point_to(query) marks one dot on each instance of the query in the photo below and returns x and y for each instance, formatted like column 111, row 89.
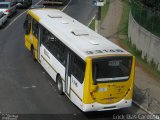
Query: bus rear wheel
column 59, row 85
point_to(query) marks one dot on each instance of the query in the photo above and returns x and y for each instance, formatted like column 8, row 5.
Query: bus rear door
column 68, row 74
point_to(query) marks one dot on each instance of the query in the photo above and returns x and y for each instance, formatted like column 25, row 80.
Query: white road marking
column 66, row 5
column 91, row 20
column 33, row 86
column 19, row 16
column 27, row 87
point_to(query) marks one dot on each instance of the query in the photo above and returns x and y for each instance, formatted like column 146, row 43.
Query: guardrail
column 144, row 99
column 146, row 42
column 147, row 17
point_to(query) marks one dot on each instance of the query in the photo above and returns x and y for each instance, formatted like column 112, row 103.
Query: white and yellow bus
column 93, row 72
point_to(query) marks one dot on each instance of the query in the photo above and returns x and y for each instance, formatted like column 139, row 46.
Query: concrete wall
column 145, row 42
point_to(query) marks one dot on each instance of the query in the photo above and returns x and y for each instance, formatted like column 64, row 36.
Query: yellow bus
column 94, row 73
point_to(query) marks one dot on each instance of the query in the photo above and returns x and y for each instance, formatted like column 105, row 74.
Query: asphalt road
column 25, row 88
column 81, row 10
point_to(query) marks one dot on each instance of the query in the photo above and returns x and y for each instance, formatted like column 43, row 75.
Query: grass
column 92, row 25
column 146, row 16
column 149, row 67
column 104, row 10
column 123, row 27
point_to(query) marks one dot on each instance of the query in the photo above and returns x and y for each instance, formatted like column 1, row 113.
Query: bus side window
column 62, row 52
column 35, row 28
column 78, row 68
column 57, row 48
column 45, row 38
column 27, row 24
column 54, row 45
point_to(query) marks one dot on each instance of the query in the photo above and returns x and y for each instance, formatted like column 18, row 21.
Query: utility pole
column 98, row 4
column 98, row 19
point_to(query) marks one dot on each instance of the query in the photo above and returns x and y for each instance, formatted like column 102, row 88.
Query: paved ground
column 145, row 83
column 110, row 25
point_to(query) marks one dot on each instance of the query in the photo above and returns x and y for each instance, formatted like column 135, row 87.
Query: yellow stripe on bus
column 30, row 12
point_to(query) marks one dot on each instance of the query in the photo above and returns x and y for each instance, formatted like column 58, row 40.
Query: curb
column 144, row 109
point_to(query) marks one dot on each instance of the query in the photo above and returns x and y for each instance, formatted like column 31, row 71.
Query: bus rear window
column 112, row 69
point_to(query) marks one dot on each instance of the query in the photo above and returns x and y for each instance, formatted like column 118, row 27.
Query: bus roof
column 78, row 37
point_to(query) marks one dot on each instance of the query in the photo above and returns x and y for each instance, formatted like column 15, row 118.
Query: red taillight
column 7, row 11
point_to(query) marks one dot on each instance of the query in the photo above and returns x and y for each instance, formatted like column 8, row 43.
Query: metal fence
column 147, row 17
column 144, row 98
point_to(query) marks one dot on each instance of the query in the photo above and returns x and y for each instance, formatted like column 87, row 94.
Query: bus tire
column 33, row 53
column 59, row 85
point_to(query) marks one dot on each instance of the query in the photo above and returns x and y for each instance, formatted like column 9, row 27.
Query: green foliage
column 92, row 25
column 150, row 67
column 146, row 16
column 123, row 27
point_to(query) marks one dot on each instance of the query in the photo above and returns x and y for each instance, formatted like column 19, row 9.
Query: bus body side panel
column 74, row 88
column 76, row 95
column 35, row 45
column 54, row 67
column 28, row 39
column 87, row 98
column 51, row 64
column 28, row 42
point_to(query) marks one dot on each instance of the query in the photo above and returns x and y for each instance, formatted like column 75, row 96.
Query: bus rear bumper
column 104, row 107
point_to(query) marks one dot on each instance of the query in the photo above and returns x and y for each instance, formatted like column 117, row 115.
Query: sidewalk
column 111, row 21
column 147, row 88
